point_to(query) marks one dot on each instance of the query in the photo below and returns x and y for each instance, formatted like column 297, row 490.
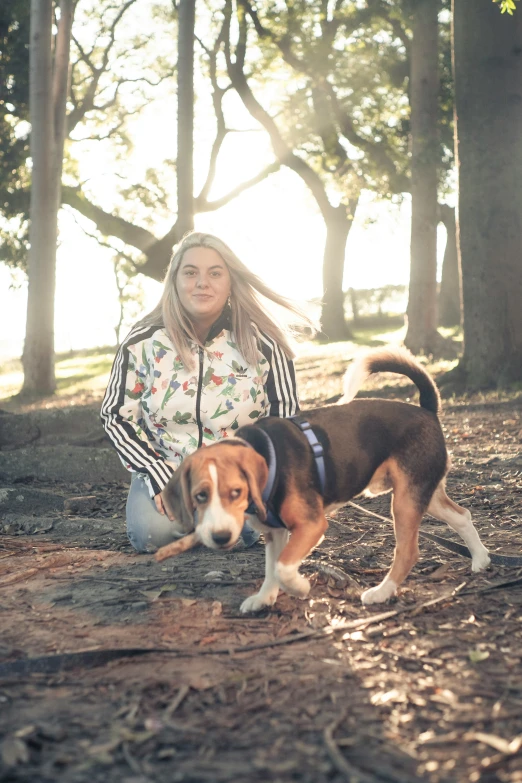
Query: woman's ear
column 176, row 497
column 256, row 472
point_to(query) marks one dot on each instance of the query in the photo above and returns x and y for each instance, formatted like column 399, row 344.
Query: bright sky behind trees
column 274, row 227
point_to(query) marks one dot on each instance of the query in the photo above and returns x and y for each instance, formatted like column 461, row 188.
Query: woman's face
column 203, row 285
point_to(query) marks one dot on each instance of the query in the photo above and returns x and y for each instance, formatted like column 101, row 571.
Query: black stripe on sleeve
column 123, row 433
column 281, row 382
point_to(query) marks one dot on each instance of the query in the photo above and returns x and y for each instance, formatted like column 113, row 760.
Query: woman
column 205, row 361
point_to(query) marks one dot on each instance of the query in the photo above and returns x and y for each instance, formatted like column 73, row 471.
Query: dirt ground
column 428, row 688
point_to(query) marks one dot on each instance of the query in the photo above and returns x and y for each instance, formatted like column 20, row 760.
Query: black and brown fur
column 370, row 446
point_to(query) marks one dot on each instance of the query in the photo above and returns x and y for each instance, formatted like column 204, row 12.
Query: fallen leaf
column 334, row 592
column 476, row 656
column 440, row 572
column 208, row 640
column 153, row 595
column 14, row 751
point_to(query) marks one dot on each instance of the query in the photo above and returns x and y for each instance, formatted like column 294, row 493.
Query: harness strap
column 317, row 449
column 272, row 519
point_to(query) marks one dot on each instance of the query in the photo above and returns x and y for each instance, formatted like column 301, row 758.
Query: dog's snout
column 221, row 537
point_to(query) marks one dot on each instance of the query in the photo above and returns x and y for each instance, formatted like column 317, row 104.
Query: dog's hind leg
column 459, row 519
column 407, row 515
column 275, row 542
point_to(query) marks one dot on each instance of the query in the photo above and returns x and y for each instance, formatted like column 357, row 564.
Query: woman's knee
column 147, row 538
column 147, row 529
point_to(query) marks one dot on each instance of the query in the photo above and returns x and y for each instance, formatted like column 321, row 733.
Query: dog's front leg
column 275, row 541
column 305, row 536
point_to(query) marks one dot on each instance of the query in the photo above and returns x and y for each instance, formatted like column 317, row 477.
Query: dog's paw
column 291, row 581
column 379, row 594
column 258, row 601
column 299, row 587
column 481, row 561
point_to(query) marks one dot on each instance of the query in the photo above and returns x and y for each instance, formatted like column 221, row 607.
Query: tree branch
column 202, row 205
column 283, row 152
column 107, row 224
column 375, row 151
column 217, row 102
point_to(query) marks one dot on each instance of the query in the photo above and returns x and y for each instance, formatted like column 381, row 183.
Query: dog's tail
column 397, row 360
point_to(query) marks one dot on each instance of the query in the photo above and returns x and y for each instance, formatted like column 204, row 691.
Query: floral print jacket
column 156, row 412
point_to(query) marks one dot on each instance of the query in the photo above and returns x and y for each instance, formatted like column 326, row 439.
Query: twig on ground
column 131, row 761
column 12, row 578
column 173, row 706
column 336, row 757
column 495, row 742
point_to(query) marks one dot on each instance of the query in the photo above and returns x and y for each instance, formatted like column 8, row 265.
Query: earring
column 229, row 301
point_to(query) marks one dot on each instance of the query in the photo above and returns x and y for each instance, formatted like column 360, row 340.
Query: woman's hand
column 162, row 506
column 159, row 503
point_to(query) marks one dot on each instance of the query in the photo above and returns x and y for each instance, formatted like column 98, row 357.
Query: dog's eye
column 235, row 493
column 202, row 497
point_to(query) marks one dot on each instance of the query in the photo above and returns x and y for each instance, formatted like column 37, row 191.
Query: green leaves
column 182, row 418
column 219, row 412
column 507, row 6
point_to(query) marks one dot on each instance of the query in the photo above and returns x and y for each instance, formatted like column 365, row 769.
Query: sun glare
column 274, row 227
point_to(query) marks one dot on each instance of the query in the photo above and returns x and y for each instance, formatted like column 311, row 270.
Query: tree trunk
column 38, row 356
column 48, row 96
column 450, row 288
column 338, row 225
column 185, row 156
column 488, row 103
column 424, row 87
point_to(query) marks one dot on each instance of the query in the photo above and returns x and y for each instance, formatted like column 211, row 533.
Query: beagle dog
column 370, row 446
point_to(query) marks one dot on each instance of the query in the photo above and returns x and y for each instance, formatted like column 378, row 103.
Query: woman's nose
column 202, row 282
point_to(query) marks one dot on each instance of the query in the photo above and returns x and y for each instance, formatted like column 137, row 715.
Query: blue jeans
column 148, row 530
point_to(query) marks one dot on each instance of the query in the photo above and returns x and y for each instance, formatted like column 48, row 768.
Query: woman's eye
column 202, row 497
column 235, row 493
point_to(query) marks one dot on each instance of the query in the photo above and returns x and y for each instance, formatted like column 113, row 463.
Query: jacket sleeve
column 281, row 386
column 121, row 413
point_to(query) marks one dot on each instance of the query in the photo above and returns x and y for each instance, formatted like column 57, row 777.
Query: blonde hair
column 246, row 308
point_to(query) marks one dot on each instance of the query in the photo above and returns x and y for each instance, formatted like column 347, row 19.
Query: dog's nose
column 221, row 537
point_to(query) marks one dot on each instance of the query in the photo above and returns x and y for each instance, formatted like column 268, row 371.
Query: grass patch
column 76, row 372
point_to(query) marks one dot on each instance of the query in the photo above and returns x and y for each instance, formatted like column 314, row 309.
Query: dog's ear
column 256, row 472
column 176, row 497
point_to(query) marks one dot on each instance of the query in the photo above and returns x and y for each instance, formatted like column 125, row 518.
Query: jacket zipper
column 198, row 399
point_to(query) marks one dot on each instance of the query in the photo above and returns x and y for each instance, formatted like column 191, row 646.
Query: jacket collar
column 224, row 321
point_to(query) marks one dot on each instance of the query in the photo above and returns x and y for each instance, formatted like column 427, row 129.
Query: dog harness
column 272, row 519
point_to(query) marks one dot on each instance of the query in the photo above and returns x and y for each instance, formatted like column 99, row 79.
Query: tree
column 113, row 78
column 488, row 97
column 14, row 126
column 185, row 154
column 130, row 294
column 47, row 99
column 333, row 125
column 424, row 89
column 449, row 302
